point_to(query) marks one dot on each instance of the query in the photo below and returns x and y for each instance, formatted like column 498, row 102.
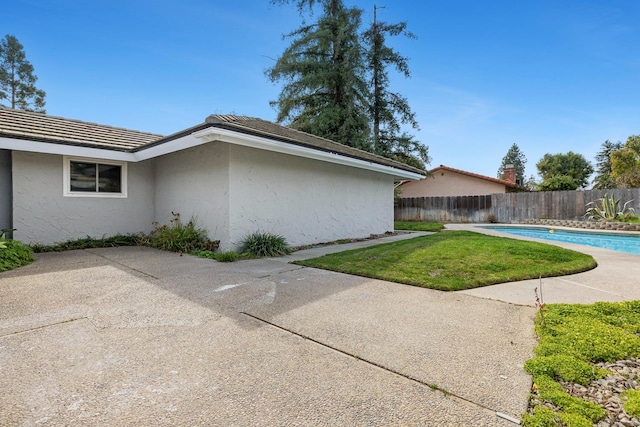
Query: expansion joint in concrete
column 111, row 260
column 433, row 387
column 24, row 331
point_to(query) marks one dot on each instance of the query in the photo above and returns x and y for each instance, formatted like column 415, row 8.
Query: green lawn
column 418, row 226
column 455, row 260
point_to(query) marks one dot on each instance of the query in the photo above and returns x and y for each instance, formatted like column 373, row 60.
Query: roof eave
column 253, row 141
column 201, row 136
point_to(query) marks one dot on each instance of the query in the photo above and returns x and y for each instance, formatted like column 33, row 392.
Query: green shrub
column 179, row 237
column 265, row 245
column 14, row 254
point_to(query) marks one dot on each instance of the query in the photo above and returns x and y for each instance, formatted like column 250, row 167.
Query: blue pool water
column 626, row 243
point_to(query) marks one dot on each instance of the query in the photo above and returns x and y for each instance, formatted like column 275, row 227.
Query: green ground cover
column 572, row 338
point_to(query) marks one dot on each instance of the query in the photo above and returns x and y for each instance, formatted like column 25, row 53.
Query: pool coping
column 607, row 232
column 590, row 225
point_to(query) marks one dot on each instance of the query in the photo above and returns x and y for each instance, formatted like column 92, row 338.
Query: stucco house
column 63, row 179
column 446, row 181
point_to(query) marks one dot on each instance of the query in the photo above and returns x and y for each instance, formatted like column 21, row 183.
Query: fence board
column 508, row 207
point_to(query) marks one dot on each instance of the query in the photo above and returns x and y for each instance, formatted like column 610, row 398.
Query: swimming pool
column 627, row 243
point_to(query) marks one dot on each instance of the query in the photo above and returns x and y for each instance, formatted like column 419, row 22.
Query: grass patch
column 227, row 256
column 572, row 338
column 418, row 226
column 456, row 260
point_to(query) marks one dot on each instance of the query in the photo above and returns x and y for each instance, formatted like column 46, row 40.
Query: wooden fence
column 508, row 207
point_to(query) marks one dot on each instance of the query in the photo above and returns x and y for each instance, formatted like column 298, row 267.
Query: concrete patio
column 135, row 336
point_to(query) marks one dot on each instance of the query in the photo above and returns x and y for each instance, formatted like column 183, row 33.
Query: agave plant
column 608, row 208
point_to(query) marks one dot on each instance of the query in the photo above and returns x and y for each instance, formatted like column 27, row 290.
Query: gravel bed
column 606, row 392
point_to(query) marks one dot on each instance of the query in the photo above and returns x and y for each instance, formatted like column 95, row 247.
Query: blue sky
column 549, row 75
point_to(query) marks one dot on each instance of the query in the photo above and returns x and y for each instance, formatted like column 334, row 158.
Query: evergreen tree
column 531, row 184
column 603, row 179
column 388, row 109
column 325, row 91
column 17, row 81
column 516, row 158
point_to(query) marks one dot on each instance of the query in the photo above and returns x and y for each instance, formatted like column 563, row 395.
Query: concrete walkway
column 134, row 336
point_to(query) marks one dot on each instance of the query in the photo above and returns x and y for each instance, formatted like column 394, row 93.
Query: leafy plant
column 179, row 237
column 608, row 208
column 3, row 239
column 14, row 254
column 260, row 244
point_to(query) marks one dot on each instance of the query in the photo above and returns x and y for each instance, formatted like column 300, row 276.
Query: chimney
column 510, row 173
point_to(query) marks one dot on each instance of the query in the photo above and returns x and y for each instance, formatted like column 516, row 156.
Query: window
column 94, row 178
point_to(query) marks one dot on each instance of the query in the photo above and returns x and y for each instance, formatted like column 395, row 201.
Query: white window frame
column 66, row 185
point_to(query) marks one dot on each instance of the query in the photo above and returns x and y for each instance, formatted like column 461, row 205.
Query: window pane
column 109, row 179
column 83, row 176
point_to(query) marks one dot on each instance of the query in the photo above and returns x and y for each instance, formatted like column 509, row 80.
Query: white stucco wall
column 307, row 201
column 194, row 183
column 5, row 189
column 42, row 214
column 448, row 183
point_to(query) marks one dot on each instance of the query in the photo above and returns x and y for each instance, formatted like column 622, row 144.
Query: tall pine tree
column 327, row 73
column 516, row 158
column 17, row 81
column 389, row 110
column 604, row 167
column 325, row 91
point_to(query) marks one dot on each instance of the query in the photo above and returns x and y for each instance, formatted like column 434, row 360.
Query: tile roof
column 259, row 127
column 41, row 127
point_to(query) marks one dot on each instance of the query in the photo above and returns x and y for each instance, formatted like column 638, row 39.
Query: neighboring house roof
column 474, row 175
column 18, row 124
